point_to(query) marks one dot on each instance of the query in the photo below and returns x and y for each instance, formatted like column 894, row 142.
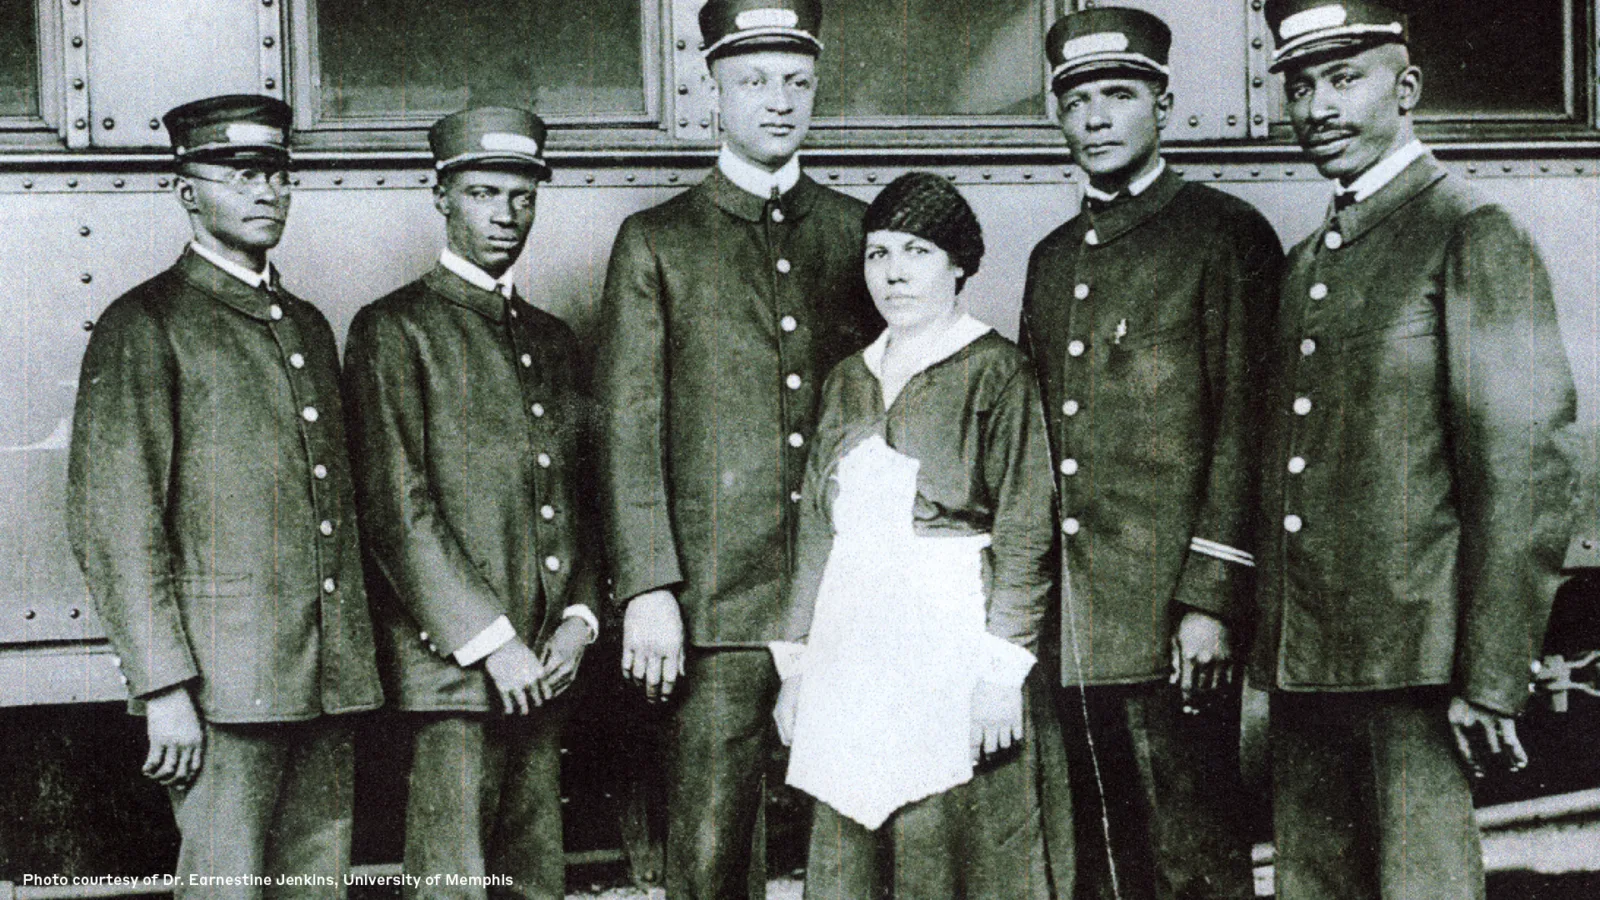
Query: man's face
column 487, row 215
column 1353, row 111
column 1113, row 126
column 243, row 207
column 765, row 99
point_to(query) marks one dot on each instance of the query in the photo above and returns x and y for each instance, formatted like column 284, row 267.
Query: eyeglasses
column 247, row 180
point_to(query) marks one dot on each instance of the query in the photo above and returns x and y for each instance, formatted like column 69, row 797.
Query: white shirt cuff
column 488, row 641
column 789, row 658
column 1003, row 663
column 582, row 611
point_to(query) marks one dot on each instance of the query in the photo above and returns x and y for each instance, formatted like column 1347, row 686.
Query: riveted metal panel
column 145, row 58
column 1209, row 40
column 694, row 108
column 75, row 67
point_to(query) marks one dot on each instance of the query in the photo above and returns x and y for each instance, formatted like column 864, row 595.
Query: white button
column 1075, row 348
column 1092, row 238
column 122, row 678
column 1292, row 524
column 797, row 440
column 1302, row 406
column 1070, row 407
column 1070, row 526
column 793, row 381
column 1308, row 347
column 1319, row 291
column 1081, row 292
column 1297, row 464
column 544, row 460
column 513, row 312
column 787, row 323
column 538, row 410
column 784, row 266
column 547, row 512
column 552, row 563
column 275, row 311
column 328, row 585
column 116, row 662
column 777, row 214
column 320, row 471
column 1333, row 240
column 527, row 361
column 309, row 413
column 1069, row 467
column 794, row 496
column 327, row 528
column 423, row 636
column 296, row 360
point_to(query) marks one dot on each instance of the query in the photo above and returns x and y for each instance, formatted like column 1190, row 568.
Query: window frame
column 49, row 69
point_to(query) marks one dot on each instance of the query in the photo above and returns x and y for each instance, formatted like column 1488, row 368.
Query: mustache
column 1317, row 134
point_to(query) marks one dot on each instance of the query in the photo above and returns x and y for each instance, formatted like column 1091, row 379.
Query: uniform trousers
column 719, row 741
column 485, row 800
column 1370, row 799
column 982, row 840
column 271, row 800
column 1169, row 785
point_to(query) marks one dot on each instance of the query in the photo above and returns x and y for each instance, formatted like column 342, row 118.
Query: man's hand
column 1202, row 657
column 996, row 718
column 652, row 643
column 783, row 712
column 516, row 674
column 563, row 654
column 1483, row 734
column 177, row 742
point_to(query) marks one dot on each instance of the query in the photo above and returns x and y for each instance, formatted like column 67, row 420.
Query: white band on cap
column 1091, row 44
column 1317, row 18
column 1393, row 29
column 740, row 36
column 1138, row 60
column 510, row 143
column 253, row 133
column 766, row 18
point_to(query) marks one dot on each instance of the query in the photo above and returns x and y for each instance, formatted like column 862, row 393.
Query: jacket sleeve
column 1237, row 309
column 631, row 388
column 1017, row 473
column 1510, row 395
column 408, row 536
column 119, row 468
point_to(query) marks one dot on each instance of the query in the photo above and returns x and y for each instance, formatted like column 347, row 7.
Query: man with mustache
column 209, row 503
column 1416, row 501
column 467, row 423
column 724, row 310
column 1143, row 314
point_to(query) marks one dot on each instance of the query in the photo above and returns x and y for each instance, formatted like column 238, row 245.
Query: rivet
column 421, row 179
column 683, row 44
column 120, row 182
column 1260, row 118
column 1233, row 120
column 1027, row 176
column 1506, row 167
column 683, row 122
column 1472, row 170
column 705, row 122
column 162, row 182
column 27, row 184
column 1194, row 121
column 1255, row 173
column 1217, row 172
column 631, row 177
column 81, row 124
column 588, row 178
column 1544, row 168
column 1258, row 81
column 86, row 278
column 338, row 179
column 74, row 613
column 379, row 180
column 30, row 614
column 295, row 181
column 83, row 230
column 683, row 89
column 77, row 41
column 72, row 182
column 987, row 176
column 1066, row 173
column 1578, row 169
column 1176, row 171
column 1255, row 4
column 1256, row 43
column 271, row 83
column 267, row 41
column 266, row 2
column 88, row 325
column 108, row 123
column 1588, row 544
column 155, row 124
column 672, row 177
column 833, row 176
column 872, row 176
column 1288, row 173
column 77, row 84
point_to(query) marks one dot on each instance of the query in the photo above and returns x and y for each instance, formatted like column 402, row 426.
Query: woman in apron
column 923, row 572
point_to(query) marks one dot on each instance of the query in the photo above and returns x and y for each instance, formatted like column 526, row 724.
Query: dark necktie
column 1343, row 200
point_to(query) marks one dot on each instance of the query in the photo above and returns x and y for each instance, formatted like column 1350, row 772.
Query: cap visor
column 786, row 40
column 498, row 162
column 240, row 155
column 1328, row 48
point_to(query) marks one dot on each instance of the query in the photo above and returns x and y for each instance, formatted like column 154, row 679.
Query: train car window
column 403, row 61
column 1496, row 60
column 19, row 60
column 933, row 59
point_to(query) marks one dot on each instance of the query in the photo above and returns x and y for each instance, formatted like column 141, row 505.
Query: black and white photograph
column 800, row 449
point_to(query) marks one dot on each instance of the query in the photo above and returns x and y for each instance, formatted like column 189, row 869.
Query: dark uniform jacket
column 465, row 421
column 209, row 500
column 1416, row 501
column 1140, row 318
column 723, row 312
column 973, row 422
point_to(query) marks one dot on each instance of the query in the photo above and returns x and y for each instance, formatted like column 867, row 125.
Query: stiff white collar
column 753, row 179
column 254, row 279
column 475, row 276
column 1135, row 187
column 1383, row 171
column 926, row 351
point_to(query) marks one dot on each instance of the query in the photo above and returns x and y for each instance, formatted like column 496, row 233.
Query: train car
column 958, row 87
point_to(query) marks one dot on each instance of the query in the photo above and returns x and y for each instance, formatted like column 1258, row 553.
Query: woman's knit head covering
column 929, row 206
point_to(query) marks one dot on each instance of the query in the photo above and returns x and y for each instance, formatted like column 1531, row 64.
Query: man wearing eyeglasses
column 210, row 506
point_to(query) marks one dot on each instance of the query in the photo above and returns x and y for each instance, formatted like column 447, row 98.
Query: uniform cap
column 1303, row 28
column 1107, row 41
column 930, row 207
column 233, row 128
column 745, row 26
column 489, row 135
